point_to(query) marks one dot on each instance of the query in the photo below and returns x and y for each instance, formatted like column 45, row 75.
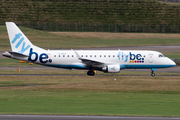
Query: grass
column 123, row 84
column 100, row 95
column 11, row 62
column 170, row 3
column 173, row 55
column 7, row 62
column 80, row 103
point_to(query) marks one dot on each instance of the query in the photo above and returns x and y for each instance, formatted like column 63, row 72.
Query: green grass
column 73, row 95
column 7, row 62
column 172, row 55
column 85, row 103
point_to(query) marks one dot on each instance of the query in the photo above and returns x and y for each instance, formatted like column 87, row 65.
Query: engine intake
column 111, row 68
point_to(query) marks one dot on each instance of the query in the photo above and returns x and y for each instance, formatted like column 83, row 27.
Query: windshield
column 161, row 55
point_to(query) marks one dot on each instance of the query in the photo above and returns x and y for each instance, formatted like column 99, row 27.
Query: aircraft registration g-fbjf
column 108, row 61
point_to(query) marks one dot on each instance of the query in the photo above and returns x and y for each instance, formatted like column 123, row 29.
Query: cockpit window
column 160, row 55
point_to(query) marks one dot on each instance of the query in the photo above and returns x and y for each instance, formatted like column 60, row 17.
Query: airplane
column 108, row 61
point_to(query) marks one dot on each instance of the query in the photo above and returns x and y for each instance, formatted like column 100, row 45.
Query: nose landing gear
column 152, row 74
column 152, row 71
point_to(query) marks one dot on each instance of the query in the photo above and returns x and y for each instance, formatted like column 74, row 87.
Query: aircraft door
column 49, row 56
column 151, row 58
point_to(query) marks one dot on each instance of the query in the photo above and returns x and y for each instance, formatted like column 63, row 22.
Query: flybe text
column 133, row 58
column 21, row 39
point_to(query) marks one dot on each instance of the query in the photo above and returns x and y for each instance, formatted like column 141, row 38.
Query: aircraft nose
column 171, row 62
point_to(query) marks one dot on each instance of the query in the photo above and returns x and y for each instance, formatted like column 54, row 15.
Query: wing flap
column 92, row 63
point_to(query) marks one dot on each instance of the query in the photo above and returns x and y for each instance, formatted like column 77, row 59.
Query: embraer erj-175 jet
column 108, row 61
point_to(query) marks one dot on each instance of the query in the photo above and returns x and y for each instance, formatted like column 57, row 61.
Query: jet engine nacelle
column 111, row 68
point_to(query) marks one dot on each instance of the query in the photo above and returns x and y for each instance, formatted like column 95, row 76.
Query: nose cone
column 172, row 63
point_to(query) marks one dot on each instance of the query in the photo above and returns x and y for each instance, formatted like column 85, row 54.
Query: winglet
column 77, row 55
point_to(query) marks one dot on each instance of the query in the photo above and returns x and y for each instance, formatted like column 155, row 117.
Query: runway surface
column 167, row 70
column 82, row 75
column 58, row 117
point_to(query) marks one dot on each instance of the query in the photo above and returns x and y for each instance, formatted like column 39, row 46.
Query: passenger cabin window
column 104, row 55
column 90, row 55
column 81, row 55
column 86, row 56
column 72, row 55
column 59, row 56
column 63, row 55
column 54, row 55
column 109, row 56
column 94, row 55
column 67, row 55
column 113, row 55
column 100, row 56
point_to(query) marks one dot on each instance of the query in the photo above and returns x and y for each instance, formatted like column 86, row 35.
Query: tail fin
column 19, row 42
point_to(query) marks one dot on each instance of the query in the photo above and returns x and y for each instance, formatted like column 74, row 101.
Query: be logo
column 23, row 48
column 136, row 58
column 43, row 58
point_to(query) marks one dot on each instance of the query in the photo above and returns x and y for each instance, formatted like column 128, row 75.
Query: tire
column 90, row 73
column 152, row 74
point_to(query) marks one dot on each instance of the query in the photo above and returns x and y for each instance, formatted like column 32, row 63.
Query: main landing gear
column 91, row 73
column 152, row 73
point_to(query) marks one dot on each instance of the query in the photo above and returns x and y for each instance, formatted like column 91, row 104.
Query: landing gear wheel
column 90, row 73
column 152, row 74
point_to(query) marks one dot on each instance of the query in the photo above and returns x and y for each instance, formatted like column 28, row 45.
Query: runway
column 63, row 117
column 165, row 70
column 44, row 68
column 83, row 75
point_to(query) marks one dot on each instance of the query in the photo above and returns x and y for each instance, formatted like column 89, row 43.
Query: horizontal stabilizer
column 18, row 54
column 15, row 55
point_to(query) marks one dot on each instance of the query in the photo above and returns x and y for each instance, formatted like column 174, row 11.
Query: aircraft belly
column 147, row 66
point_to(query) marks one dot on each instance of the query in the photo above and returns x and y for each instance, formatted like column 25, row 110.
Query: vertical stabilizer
column 19, row 42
